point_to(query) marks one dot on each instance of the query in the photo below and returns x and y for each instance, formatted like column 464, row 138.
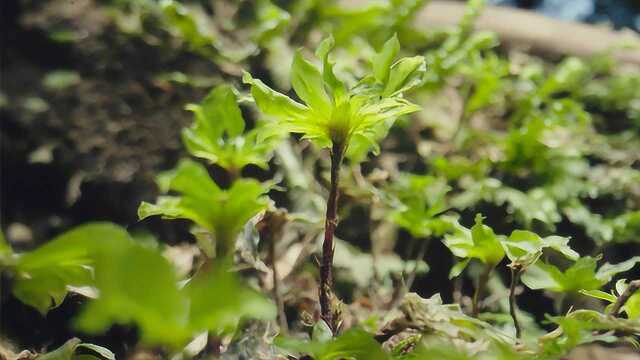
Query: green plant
column 469, row 132
column 339, row 117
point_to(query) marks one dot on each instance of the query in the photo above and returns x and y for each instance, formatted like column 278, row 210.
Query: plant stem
column 624, row 297
column 282, row 317
column 412, row 276
column 269, row 228
column 516, row 270
column 331, row 221
column 477, row 296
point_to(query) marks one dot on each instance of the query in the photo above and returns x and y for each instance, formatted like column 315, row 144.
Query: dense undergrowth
column 405, row 143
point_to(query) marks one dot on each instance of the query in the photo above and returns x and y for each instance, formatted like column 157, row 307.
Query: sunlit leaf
column 581, row 275
column 218, row 301
column 479, row 242
column 44, row 274
column 222, row 212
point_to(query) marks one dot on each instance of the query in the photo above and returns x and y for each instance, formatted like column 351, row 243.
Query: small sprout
column 218, row 134
column 478, row 243
column 222, row 212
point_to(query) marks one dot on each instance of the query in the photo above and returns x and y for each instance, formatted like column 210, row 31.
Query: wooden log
column 535, row 33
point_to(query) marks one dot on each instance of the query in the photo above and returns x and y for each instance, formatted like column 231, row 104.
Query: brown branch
column 516, row 270
column 331, row 222
column 624, row 297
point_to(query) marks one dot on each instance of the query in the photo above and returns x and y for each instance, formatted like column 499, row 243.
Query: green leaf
column 137, row 285
column 567, row 77
column 632, row 306
column 6, row 253
column 336, row 87
column 221, row 212
column 102, row 351
column 404, row 75
column 219, row 113
column 342, row 115
column 525, row 247
column 416, row 201
column 308, row 83
column 581, row 275
column 188, row 177
column 218, row 133
column 218, row 301
column 44, row 274
column 321, row 332
column 599, row 294
column 383, row 60
column 64, row 352
column 354, row 344
column 478, row 243
column 458, row 268
column 68, row 352
column 583, row 327
column 182, row 22
column 274, row 104
column 61, row 79
column 608, row 271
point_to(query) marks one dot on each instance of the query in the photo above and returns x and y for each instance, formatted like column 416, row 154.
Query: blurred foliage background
column 92, row 105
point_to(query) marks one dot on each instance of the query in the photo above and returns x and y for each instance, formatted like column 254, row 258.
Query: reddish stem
column 331, row 222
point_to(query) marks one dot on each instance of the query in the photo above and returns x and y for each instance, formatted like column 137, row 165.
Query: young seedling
column 337, row 116
column 524, row 248
column 479, row 243
column 218, row 134
column 222, row 212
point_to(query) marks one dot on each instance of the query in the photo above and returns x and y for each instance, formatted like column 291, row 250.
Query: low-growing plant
column 338, row 116
column 530, row 152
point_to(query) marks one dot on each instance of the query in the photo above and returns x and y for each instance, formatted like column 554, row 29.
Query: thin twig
column 412, row 275
column 477, row 296
column 331, row 222
column 516, row 270
column 624, row 297
column 282, row 316
column 271, row 225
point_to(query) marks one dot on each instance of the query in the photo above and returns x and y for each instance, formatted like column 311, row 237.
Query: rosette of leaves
column 222, row 212
column 334, row 114
column 218, row 133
